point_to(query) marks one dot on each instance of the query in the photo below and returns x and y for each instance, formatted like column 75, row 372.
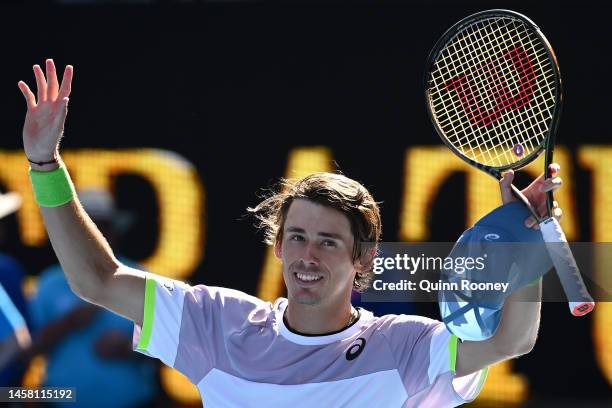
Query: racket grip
column 580, row 302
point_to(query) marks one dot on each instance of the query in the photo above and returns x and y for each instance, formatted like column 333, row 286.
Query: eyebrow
column 323, row 234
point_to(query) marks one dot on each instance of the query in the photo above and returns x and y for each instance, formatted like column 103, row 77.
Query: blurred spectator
column 88, row 347
column 14, row 334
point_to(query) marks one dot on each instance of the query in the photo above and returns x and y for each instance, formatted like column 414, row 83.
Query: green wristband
column 52, row 188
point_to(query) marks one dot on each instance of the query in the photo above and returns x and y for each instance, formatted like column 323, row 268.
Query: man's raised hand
column 44, row 122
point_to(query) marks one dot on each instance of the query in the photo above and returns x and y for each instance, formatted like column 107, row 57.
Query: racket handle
column 580, row 302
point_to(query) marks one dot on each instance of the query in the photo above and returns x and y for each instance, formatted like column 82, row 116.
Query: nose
column 309, row 254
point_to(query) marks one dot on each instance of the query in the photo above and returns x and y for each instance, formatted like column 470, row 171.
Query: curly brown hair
column 332, row 190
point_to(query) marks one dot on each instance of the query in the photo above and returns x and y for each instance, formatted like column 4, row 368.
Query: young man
column 311, row 349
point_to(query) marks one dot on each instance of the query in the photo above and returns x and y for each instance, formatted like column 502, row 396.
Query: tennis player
column 311, row 349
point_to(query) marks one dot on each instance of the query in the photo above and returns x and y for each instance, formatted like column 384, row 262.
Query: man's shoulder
column 229, row 302
column 204, row 294
column 406, row 318
column 394, row 322
column 227, row 295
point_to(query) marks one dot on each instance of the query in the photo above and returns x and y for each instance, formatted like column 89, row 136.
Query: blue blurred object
column 473, row 316
column 11, row 278
column 10, row 318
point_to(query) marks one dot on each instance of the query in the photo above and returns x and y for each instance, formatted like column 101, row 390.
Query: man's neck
column 317, row 320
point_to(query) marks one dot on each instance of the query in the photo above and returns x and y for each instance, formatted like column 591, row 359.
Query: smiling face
column 316, row 253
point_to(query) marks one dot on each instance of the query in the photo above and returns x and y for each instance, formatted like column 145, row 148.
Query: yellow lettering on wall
column 14, row 176
column 598, row 159
column 301, row 162
column 175, row 181
column 425, row 171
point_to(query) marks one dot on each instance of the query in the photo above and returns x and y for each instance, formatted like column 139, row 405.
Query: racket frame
column 547, row 143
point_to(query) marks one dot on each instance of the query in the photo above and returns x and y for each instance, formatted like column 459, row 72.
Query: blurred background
column 182, row 111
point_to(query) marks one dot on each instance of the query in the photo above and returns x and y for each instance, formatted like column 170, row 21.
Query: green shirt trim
column 452, row 352
column 147, row 318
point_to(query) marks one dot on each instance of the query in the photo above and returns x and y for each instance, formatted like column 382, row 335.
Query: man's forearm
column 84, row 254
column 515, row 335
column 518, row 329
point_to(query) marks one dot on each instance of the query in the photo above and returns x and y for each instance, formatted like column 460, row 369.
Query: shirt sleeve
column 426, row 354
column 186, row 326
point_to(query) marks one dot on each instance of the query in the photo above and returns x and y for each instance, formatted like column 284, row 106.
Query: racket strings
column 498, row 29
column 495, row 137
column 525, row 68
column 500, row 111
column 484, row 61
column 537, row 114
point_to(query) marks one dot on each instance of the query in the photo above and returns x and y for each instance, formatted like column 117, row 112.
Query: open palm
column 44, row 122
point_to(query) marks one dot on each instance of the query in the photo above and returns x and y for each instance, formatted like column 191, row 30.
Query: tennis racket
column 493, row 92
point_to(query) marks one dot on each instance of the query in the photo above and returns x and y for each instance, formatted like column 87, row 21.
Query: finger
column 542, row 209
column 66, row 86
column 27, row 94
column 557, row 212
column 52, row 85
column 505, row 186
column 508, row 177
column 555, row 204
column 554, row 168
column 535, row 185
column 41, row 84
column 530, row 221
column 551, row 184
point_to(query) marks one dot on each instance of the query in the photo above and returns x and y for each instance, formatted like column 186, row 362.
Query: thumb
column 505, row 187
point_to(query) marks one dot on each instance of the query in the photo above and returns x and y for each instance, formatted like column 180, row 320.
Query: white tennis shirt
column 238, row 352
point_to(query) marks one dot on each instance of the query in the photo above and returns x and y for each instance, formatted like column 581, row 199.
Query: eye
column 296, row 238
column 329, row 243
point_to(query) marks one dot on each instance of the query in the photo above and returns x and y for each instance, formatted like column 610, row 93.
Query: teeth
column 307, row 278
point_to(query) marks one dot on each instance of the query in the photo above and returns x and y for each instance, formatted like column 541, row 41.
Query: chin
column 309, row 300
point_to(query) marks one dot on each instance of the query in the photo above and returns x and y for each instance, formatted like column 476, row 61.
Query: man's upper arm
column 473, row 356
column 124, row 293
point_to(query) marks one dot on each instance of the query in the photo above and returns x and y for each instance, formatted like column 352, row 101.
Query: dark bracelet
column 41, row 163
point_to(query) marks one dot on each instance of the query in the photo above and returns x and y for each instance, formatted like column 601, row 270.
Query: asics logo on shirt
column 355, row 350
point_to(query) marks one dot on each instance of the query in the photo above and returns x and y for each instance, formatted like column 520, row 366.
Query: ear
column 366, row 260
column 277, row 249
